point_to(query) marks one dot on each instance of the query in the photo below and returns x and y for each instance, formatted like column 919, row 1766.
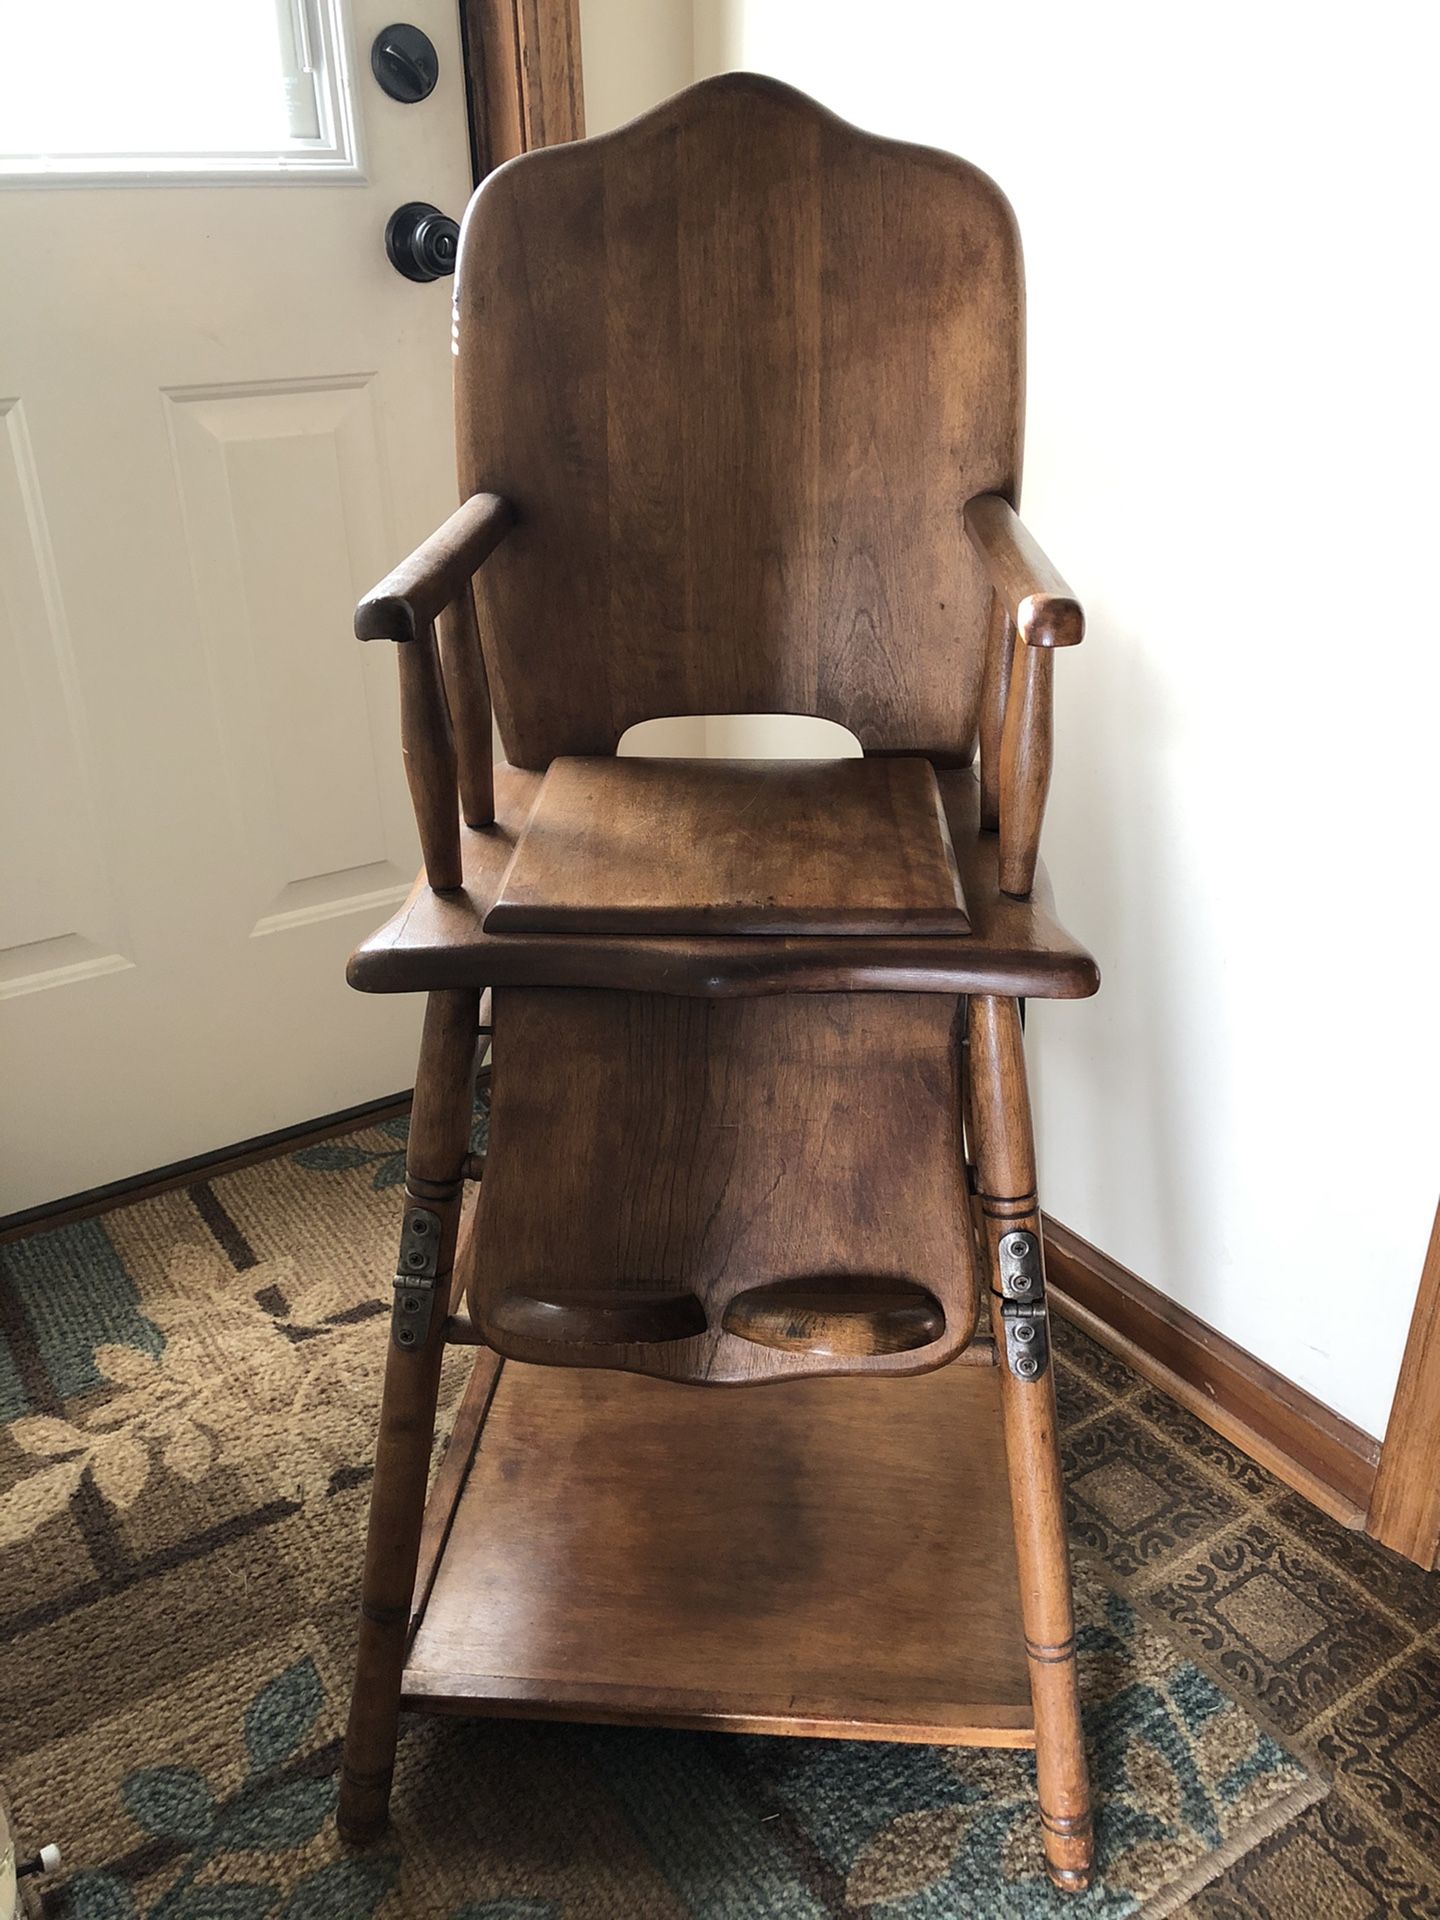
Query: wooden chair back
column 738, row 367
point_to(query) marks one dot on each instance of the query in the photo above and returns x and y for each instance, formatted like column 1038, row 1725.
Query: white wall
column 634, row 53
column 1228, row 219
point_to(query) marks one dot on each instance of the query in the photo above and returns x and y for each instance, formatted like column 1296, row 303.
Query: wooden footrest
column 590, row 1317
column 817, row 1557
column 856, row 1320
column 736, row 1190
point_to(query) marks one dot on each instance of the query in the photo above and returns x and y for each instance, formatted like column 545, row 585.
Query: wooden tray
column 734, row 846
column 821, row 1557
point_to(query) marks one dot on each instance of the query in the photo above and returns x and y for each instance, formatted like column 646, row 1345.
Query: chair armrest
column 1033, row 613
column 408, row 600
column 1033, row 593
column 444, row 696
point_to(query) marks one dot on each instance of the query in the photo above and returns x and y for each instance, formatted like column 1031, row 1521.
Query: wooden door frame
column 1405, row 1502
column 524, row 85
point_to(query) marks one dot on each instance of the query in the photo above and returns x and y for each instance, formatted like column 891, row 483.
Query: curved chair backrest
column 738, row 366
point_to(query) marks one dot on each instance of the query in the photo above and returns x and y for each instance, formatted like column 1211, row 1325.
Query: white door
column 223, row 415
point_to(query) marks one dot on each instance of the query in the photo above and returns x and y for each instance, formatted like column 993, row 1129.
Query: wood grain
column 1032, row 591
column 463, row 667
column 523, row 76
column 636, row 846
column 1034, row 612
column 1007, row 1202
column 1026, row 757
column 1405, row 1505
column 995, row 697
column 823, row 1557
column 854, row 1322
column 450, row 1475
column 427, row 740
column 439, row 1135
column 1014, row 946
column 592, row 1317
column 551, row 79
column 740, row 366
column 413, row 595
column 710, row 1147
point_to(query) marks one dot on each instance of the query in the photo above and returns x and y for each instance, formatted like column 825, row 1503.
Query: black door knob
column 421, row 241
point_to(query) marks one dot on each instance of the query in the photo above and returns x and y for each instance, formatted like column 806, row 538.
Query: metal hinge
column 1021, row 1275
column 416, row 1283
column 1027, row 1337
column 1022, row 1306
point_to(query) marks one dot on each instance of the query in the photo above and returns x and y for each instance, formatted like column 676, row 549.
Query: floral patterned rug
column 187, row 1399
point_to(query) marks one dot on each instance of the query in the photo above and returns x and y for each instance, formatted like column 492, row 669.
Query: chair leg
column 435, row 1158
column 1010, row 1217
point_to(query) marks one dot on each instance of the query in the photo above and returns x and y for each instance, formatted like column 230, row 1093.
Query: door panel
column 57, row 912
column 283, row 509
column 222, row 416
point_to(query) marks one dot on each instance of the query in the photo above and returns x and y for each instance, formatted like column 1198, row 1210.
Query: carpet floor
column 187, row 1397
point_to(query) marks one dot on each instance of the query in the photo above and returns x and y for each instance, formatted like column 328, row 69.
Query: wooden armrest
column 412, row 597
column 444, row 715
column 1032, row 604
column 1045, row 612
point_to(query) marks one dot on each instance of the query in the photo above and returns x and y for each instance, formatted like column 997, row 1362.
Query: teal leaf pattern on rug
column 97, row 1896
column 341, row 1888
column 281, row 1714
column 518, row 1909
column 273, row 1813
column 341, row 1156
column 75, row 1294
column 232, row 1901
column 387, row 1162
column 286, row 1814
column 172, row 1803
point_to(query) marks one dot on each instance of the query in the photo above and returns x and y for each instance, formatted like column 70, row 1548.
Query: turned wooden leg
column 1010, row 1218
column 435, row 1160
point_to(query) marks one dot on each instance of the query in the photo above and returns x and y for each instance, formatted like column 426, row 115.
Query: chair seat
column 639, row 846
column 439, row 940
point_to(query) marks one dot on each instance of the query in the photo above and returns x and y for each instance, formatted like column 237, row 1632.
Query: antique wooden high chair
column 739, row 398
